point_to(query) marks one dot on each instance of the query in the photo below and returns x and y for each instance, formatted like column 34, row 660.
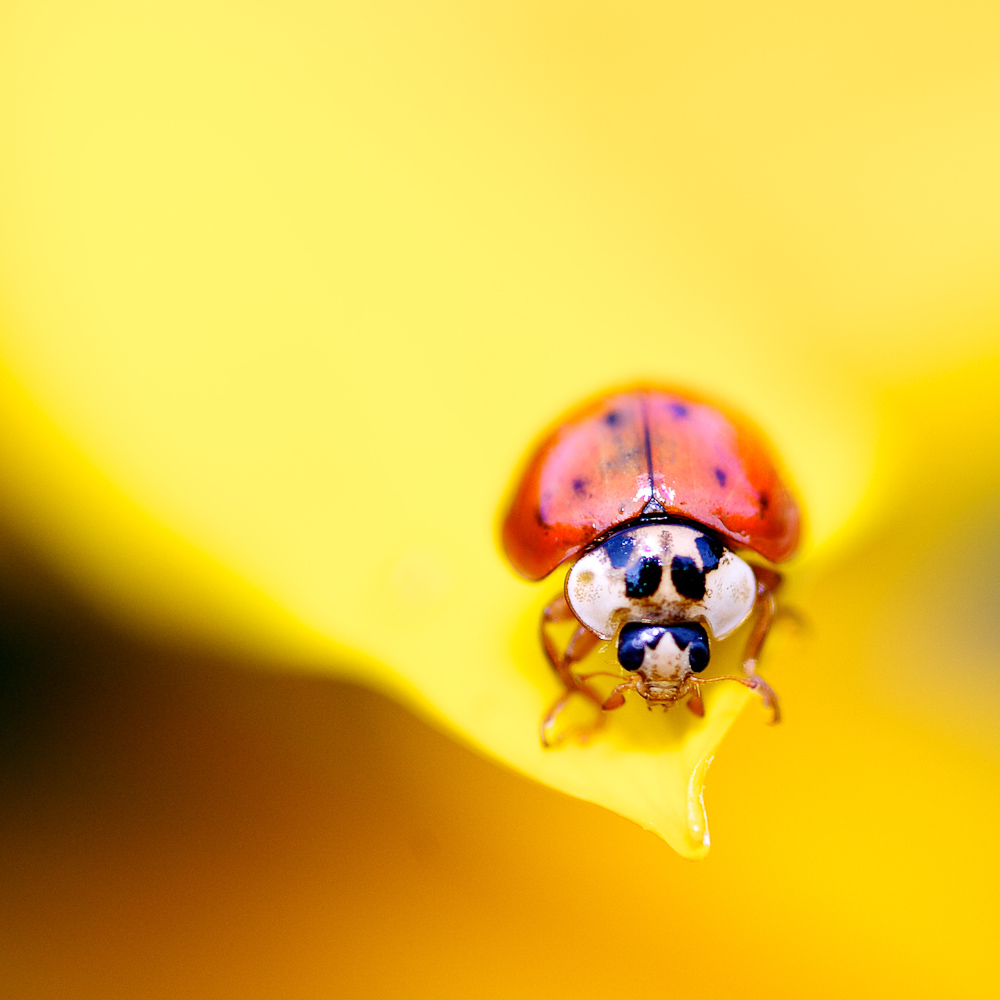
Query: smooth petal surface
column 288, row 290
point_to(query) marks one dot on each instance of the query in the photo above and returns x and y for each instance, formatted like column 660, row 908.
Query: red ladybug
column 652, row 491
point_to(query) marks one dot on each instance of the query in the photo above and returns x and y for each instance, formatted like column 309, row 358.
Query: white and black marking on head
column 664, row 654
column 663, row 574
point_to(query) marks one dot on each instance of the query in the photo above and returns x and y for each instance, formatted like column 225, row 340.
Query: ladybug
column 656, row 495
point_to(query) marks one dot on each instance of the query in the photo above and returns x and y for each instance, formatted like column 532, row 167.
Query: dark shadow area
column 175, row 824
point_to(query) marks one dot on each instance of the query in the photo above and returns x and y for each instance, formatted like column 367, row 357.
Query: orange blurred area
column 177, row 826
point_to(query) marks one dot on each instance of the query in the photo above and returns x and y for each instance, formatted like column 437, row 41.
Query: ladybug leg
column 614, row 700
column 580, row 644
column 768, row 582
column 549, row 720
column 617, row 696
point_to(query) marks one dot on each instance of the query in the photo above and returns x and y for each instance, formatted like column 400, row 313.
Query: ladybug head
column 663, row 653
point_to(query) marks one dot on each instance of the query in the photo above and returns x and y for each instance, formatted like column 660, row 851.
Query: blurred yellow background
column 286, row 291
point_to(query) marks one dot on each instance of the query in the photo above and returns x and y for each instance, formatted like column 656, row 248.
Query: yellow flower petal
column 296, row 286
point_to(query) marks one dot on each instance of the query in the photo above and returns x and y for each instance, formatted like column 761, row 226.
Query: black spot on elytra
column 710, row 551
column 688, row 579
column 695, row 636
column 764, row 503
column 612, row 418
column 635, row 637
column 619, row 548
column 579, row 486
column 720, row 477
column 643, row 579
column 679, row 411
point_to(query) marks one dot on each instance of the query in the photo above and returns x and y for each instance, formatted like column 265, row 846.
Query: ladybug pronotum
column 653, row 493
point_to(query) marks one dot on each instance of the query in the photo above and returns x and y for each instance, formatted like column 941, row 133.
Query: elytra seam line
column 649, row 446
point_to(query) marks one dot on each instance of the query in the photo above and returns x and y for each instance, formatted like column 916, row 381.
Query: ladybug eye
column 633, row 641
column 669, row 647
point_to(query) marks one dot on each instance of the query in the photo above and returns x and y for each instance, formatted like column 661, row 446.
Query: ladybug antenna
column 752, row 681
